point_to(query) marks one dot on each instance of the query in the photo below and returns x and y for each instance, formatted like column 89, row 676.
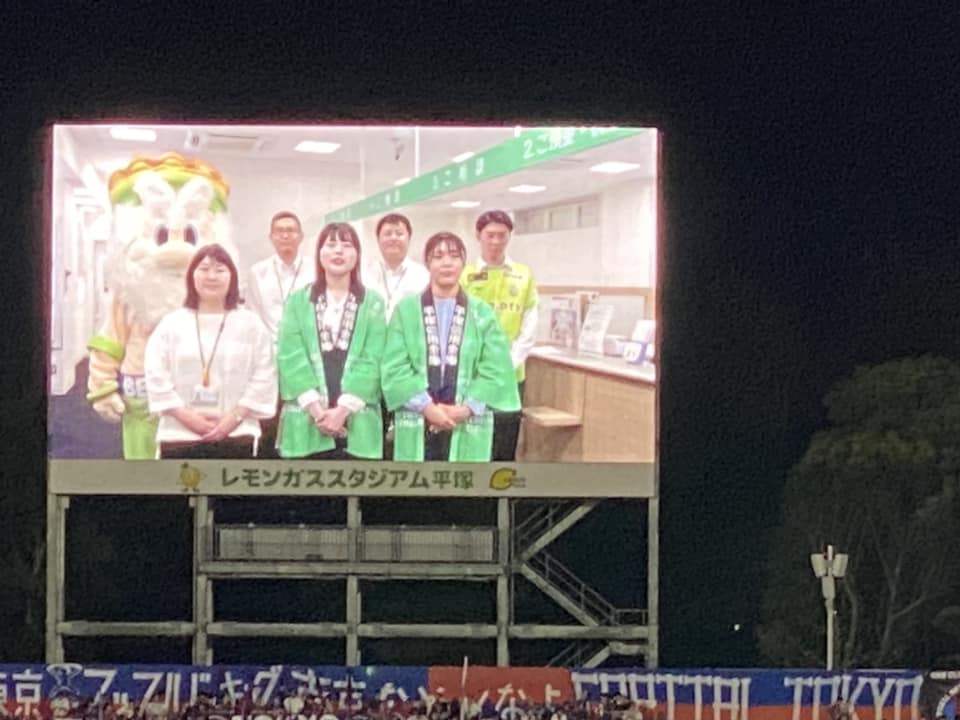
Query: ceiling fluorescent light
column 317, row 146
column 135, row 134
column 401, row 181
column 463, row 156
column 464, row 203
column 614, row 166
column 528, row 188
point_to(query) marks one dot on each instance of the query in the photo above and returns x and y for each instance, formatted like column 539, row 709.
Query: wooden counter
column 585, row 408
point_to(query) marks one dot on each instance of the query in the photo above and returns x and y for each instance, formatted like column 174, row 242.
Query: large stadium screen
column 321, row 309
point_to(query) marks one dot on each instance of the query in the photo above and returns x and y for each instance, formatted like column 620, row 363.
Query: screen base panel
column 358, row 478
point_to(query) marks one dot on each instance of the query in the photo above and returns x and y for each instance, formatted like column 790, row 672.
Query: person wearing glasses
column 446, row 366
column 329, row 350
column 269, row 286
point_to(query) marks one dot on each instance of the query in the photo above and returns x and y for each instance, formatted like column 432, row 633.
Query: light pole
column 828, row 566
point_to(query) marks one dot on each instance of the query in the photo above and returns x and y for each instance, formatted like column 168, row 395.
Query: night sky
column 811, row 203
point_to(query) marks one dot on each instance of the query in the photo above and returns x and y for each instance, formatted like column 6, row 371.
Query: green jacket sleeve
column 403, row 376
column 361, row 377
column 294, row 367
column 494, row 382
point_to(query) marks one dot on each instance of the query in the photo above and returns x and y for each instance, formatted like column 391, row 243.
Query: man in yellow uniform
column 508, row 287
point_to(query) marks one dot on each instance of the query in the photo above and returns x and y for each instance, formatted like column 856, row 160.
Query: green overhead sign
column 529, row 148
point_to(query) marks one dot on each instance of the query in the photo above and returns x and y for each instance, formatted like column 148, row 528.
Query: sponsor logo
column 506, row 478
column 190, row 478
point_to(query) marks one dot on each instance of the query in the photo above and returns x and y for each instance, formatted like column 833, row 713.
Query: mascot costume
column 164, row 209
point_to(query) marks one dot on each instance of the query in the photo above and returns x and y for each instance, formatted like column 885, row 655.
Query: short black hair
column 452, row 241
column 345, row 233
column 283, row 214
column 220, row 255
column 394, row 219
column 494, row 216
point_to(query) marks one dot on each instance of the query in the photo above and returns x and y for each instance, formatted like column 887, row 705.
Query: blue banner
column 281, row 692
column 184, row 684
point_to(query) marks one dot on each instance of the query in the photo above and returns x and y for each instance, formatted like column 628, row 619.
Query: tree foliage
column 880, row 484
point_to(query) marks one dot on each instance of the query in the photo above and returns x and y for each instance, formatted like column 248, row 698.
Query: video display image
column 403, row 293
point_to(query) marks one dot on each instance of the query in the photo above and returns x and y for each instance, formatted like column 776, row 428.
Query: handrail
column 556, row 573
column 588, row 599
column 573, row 655
column 543, row 518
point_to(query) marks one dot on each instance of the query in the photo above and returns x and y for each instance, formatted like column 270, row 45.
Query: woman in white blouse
column 209, row 367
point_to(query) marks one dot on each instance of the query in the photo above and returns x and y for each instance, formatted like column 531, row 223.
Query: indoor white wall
column 628, row 234
column 75, row 228
column 258, row 190
column 619, row 252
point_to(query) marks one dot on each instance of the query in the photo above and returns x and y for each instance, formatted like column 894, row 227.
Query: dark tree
column 880, row 484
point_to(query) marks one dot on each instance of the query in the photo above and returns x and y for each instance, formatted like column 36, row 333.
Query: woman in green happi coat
column 446, row 365
column 329, row 349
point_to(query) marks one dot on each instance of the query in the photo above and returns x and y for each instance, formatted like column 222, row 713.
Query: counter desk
column 587, row 408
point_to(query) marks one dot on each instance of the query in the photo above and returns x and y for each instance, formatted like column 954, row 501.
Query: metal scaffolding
column 516, row 546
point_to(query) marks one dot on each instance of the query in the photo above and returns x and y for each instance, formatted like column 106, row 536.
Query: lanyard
column 276, row 273
column 386, row 287
column 203, row 361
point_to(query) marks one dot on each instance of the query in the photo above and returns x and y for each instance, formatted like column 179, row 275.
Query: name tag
column 205, row 397
column 477, row 277
column 133, row 386
column 406, row 419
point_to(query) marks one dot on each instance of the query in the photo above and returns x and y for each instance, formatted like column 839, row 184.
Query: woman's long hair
column 220, row 255
column 343, row 232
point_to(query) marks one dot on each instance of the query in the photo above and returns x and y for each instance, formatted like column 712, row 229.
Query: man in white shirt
column 271, row 281
column 394, row 275
column 269, row 285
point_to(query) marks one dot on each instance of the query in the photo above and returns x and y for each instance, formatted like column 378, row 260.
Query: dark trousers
column 387, row 436
column 268, row 437
column 239, row 448
column 436, row 446
column 335, row 454
column 506, row 432
column 339, row 452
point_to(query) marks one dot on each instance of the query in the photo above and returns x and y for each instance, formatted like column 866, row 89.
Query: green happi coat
column 484, row 374
column 300, row 368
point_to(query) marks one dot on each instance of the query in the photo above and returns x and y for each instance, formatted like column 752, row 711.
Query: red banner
column 503, row 684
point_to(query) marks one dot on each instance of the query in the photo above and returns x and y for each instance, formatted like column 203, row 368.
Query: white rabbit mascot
column 164, row 209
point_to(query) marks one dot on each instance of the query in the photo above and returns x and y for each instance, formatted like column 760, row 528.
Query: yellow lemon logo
column 190, row 478
column 505, row 478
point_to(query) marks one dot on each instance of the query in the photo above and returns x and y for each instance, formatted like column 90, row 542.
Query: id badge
column 206, row 397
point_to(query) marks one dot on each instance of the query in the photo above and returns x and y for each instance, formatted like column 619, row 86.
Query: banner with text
column 504, row 693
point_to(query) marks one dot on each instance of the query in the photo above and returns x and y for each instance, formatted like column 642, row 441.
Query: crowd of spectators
column 305, row 706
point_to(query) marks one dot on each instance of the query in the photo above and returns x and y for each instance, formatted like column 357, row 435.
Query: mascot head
column 170, row 206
